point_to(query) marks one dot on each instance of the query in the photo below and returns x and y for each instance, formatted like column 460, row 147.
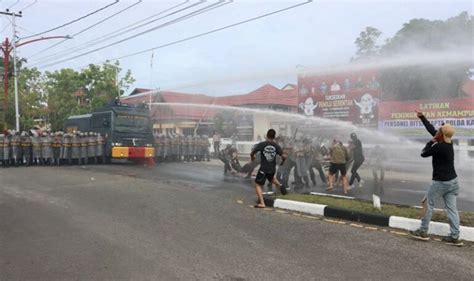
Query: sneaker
column 420, row 235
column 351, row 187
column 361, row 183
column 452, row 241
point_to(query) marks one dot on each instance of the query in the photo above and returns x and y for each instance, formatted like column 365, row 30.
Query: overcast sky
column 231, row 61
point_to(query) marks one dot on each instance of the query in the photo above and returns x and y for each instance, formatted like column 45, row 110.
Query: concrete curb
column 436, row 228
column 313, row 209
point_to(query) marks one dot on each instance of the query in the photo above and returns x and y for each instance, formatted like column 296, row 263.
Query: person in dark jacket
column 445, row 182
column 358, row 157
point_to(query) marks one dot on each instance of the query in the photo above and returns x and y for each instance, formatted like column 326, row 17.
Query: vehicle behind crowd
column 126, row 130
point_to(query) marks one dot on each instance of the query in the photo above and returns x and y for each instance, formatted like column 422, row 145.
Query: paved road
column 123, row 222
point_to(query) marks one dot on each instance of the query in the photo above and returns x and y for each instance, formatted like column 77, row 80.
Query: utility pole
column 6, row 51
column 15, row 76
column 6, row 48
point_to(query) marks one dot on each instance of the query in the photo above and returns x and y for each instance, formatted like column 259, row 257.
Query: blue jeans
column 448, row 190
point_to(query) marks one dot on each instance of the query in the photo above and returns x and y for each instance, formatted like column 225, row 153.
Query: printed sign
column 347, row 97
column 399, row 118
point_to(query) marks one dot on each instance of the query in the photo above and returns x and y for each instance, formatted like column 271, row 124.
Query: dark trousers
column 316, row 165
column 285, row 172
column 217, row 146
column 355, row 167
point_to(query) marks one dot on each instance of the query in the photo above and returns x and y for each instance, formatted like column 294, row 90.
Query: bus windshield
column 131, row 124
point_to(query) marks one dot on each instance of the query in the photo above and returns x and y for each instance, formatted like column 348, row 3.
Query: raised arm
column 430, row 128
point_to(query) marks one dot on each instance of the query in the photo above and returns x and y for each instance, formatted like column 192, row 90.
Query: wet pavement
column 184, row 222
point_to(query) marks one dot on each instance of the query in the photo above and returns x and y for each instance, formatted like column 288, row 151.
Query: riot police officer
column 83, row 153
column 188, row 148
column 15, row 148
column 47, row 149
column 100, row 143
column 76, row 148
column 167, row 148
column 25, row 143
column 91, row 148
column 66, row 149
column 36, row 148
column 56, row 147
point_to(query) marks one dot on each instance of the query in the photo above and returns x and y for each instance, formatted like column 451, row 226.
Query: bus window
column 101, row 120
column 131, row 124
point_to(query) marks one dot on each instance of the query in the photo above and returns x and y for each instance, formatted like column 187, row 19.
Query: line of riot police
column 51, row 148
column 179, row 148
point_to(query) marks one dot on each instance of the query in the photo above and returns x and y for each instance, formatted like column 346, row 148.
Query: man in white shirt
column 335, row 87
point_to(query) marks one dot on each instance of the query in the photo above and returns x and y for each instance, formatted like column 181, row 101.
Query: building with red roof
column 172, row 112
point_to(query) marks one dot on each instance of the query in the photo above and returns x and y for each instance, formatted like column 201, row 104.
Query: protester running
column 339, row 157
column 268, row 149
column 358, row 156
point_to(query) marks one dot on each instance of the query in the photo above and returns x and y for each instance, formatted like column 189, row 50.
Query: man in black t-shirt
column 268, row 149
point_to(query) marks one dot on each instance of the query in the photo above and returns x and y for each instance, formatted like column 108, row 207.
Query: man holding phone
column 445, row 183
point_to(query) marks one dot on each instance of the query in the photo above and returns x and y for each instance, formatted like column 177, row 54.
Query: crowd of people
column 304, row 158
column 50, row 148
column 180, row 148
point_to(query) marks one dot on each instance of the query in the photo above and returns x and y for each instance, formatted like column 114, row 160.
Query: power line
column 24, row 29
column 109, row 35
column 73, row 21
column 88, row 28
column 192, row 14
column 201, row 34
column 197, row 12
column 7, row 25
column 121, row 32
column 29, row 5
column 17, row 1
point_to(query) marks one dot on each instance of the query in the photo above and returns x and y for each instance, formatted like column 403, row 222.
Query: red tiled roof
column 79, row 93
column 187, row 112
column 265, row 95
column 139, row 91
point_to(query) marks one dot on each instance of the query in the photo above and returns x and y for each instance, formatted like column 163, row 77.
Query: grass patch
column 467, row 218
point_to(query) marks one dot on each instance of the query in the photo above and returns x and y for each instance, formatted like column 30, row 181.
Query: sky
column 232, row 61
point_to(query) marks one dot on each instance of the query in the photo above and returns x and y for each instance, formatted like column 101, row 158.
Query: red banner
column 352, row 97
column 399, row 117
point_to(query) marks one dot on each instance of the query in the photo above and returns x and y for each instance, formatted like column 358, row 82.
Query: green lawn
column 467, row 218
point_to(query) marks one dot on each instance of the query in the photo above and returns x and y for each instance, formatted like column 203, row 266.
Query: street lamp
column 6, row 48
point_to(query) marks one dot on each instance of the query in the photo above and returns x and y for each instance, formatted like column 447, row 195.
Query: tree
column 367, row 43
column 420, row 36
column 60, row 87
column 425, row 35
column 31, row 97
column 98, row 84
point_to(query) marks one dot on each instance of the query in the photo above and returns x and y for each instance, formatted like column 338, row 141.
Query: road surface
column 184, row 222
